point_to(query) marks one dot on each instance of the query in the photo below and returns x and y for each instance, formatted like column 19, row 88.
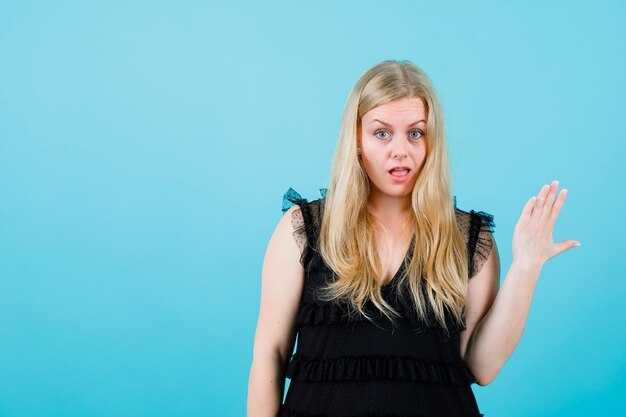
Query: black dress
column 347, row 366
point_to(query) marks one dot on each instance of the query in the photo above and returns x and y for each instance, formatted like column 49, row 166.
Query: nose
column 399, row 150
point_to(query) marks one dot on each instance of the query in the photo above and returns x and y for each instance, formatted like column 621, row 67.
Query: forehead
column 397, row 111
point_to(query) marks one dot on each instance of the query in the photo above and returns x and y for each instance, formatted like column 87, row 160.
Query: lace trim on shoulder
column 481, row 240
column 299, row 232
column 302, row 222
column 477, row 228
column 347, row 368
column 291, row 197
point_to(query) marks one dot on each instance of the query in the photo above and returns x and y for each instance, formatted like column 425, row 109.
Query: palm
column 532, row 238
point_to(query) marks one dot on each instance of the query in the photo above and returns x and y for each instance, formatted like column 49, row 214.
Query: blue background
column 145, row 148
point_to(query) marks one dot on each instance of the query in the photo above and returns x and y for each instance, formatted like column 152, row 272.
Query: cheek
column 421, row 161
column 371, row 165
column 367, row 165
column 421, row 153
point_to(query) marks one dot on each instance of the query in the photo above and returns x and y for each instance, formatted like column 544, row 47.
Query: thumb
column 566, row 245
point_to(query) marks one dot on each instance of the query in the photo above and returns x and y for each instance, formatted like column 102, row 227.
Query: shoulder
column 477, row 228
column 315, row 209
column 479, row 220
column 283, row 236
column 462, row 216
column 464, row 221
column 302, row 219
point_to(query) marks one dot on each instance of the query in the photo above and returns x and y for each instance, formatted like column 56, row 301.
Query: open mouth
column 399, row 173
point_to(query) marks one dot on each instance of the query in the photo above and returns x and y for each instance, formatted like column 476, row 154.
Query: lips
column 399, row 170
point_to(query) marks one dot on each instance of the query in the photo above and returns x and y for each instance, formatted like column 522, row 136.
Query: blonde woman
column 392, row 291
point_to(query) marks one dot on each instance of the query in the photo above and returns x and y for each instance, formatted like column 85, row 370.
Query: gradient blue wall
column 145, row 147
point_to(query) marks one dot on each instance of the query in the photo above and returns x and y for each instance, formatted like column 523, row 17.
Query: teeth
column 400, row 172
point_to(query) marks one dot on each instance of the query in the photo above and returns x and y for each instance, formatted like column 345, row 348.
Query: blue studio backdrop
column 145, row 147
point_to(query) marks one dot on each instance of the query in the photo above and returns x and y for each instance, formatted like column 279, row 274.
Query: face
column 393, row 135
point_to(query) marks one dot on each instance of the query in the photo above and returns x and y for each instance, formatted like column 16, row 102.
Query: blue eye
column 380, row 131
column 417, row 131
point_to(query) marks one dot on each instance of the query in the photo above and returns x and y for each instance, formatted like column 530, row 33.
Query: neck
column 389, row 207
column 393, row 212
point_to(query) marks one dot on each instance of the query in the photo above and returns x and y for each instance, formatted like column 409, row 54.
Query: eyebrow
column 387, row 124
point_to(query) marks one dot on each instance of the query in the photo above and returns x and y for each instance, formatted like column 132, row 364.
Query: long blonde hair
column 438, row 268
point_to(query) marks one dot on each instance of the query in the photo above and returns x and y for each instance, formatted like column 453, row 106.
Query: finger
column 556, row 208
column 541, row 197
column 549, row 201
column 527, row 210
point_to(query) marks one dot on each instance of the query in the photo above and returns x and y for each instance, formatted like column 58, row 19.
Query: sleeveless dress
column 347, row 366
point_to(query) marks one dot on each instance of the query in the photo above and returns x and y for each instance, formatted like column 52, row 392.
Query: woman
column 392, row 290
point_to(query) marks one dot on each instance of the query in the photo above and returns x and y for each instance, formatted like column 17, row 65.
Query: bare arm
column 498, row 332
column 482, row 292
column 497, row 318
column 281, row 289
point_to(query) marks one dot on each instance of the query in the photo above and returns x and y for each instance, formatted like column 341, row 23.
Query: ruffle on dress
column 351, row 368
column 313, row 313
column 286, row 411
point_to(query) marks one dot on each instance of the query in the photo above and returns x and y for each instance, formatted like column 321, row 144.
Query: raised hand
column 532, row 236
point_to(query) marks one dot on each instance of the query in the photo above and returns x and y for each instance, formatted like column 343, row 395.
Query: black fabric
column 348, row 366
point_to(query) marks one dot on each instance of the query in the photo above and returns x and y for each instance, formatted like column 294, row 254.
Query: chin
column 396, row 192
